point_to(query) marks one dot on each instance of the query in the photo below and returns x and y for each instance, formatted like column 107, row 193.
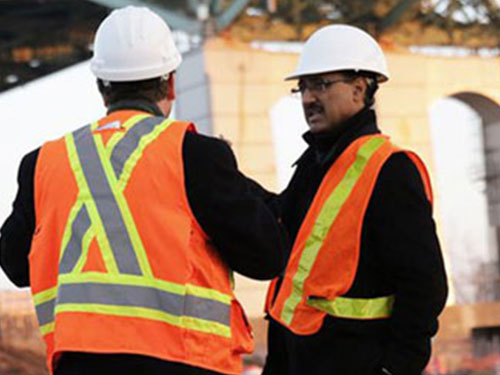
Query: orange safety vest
column 118, row 261
column 325, row 255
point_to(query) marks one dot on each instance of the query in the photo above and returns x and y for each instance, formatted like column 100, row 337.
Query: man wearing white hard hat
column 133, row 225
column 365, row 280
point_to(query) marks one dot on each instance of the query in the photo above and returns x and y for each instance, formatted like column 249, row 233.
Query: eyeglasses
column 316, row 86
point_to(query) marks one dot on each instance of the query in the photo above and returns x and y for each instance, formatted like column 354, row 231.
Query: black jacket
column 244, row 230
column 400, row 255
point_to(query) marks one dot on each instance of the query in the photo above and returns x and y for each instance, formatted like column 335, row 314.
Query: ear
column 171, row 87
column 359, row 88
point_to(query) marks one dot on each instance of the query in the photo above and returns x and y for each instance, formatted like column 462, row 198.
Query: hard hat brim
column 139, row 74
column 381, row 77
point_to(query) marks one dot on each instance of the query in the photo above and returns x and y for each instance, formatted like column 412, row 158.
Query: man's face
column 330, row 99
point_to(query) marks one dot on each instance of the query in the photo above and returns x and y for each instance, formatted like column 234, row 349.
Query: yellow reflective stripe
column 198, row 324
column 86, row 196
column 128, row 219
column 115, row 138
column 324, row 221
column 69, row 225
column 146, row 313
column 212, row 294
column 355, row 308
column 136, row 155
column 167, row 286
column 47, row 328
column 86, row 241
column 44, row 296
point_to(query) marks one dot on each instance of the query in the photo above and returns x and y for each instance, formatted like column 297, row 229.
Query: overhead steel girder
column 228, row 15
column 177, row 20
column 193, row 5
column 215, row 7
column 180, row 21
column 395, row 14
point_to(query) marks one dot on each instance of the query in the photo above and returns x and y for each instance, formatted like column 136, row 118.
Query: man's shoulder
column 28, row 165
column 399, row 174
column 206, row 150
column 399, row 162
column 31, row 156
column 205, row 143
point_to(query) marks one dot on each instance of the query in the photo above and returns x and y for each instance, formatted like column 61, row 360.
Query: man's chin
column 317, row 127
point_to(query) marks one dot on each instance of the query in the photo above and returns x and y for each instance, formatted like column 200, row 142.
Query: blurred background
column 442, row 101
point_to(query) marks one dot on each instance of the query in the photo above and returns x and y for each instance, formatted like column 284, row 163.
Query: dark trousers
column 122, row 364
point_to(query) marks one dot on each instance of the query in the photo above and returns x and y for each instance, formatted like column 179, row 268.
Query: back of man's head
column 134, row 54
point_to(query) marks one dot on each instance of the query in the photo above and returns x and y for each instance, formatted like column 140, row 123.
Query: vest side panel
column 55, row 192
column 155, row 194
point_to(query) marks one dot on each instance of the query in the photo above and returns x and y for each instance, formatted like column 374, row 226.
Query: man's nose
column 308, row 97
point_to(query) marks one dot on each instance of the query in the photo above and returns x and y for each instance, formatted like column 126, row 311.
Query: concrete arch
column 489, row 110
column 458, row 130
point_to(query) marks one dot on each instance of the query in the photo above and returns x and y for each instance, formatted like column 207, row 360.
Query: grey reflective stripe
column 108, row 209
column 74, row 248
column 207, row 309
column 130, row 141
column 45, row 312
column 146, row 297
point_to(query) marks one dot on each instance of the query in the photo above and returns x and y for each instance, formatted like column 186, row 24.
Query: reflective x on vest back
column 101, row 211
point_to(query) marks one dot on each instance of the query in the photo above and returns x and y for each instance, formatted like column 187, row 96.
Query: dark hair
column 371, row 84
column 151, row 90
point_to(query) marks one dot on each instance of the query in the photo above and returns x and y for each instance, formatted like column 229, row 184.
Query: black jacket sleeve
column 18, row 229
column 232, row 209
column 412, row 262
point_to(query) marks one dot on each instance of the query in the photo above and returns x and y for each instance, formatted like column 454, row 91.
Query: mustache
column 312, row 108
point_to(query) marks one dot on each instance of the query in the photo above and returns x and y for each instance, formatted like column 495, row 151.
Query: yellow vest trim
column 355, row 308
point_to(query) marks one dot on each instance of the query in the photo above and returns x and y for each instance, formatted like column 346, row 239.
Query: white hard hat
column 341, row 47
column 133, row 44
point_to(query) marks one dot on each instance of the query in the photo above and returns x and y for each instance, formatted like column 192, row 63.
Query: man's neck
column 328, row 145
column 138, row 104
